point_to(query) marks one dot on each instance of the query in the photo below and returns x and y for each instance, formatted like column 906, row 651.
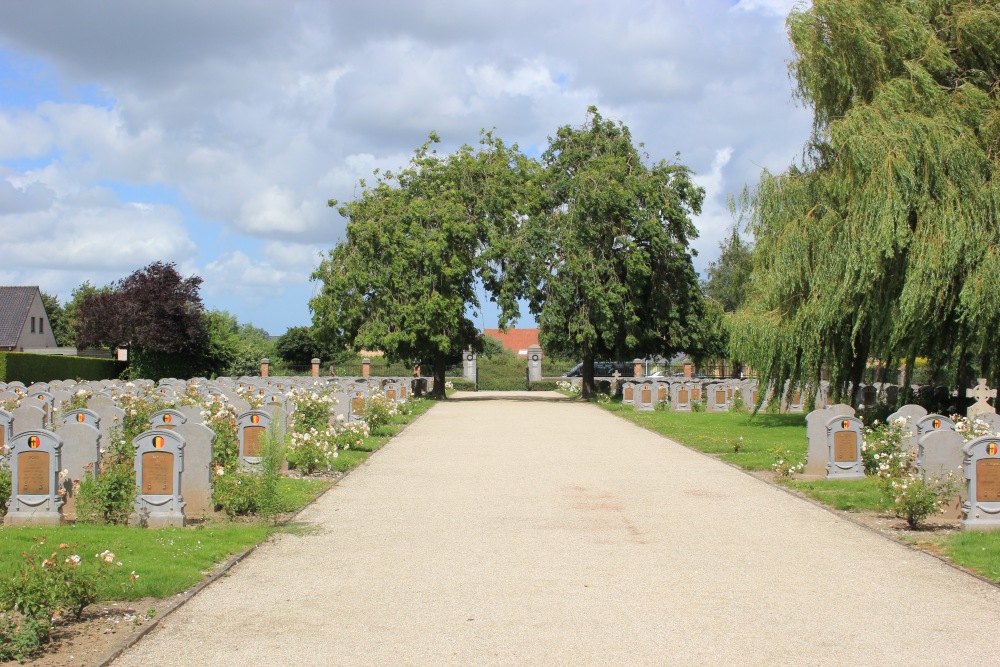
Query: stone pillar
column 637, row 368
column 688, row 371
column 315, row 368
column 534, row 363
column 469, row 365
column 264, row 365
column 366, row 367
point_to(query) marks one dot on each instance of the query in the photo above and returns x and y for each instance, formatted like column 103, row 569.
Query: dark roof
column 14, row 305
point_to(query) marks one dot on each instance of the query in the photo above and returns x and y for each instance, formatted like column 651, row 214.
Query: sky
column 213, row 134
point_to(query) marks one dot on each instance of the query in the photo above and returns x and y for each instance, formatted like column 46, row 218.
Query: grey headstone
column 818, row 453
column 912, row 413
column 81, row 455
column 844, row 437
column 159, row 465
column 251, row 429
column 35, row 462
column 982, row 472
column 28, row 417
column 645, row 397
column 199, row 452
column 82, row 416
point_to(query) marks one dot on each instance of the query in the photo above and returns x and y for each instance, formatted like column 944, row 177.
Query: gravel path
column 515, row 532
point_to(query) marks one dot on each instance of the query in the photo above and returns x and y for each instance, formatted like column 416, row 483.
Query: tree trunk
column 588, row 375
column 439, row 369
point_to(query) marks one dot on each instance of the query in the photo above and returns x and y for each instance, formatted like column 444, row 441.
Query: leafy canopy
column 884, row 243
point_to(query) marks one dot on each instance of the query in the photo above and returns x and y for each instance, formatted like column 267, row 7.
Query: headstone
column 818, row 453
column 940, row 454
column 982, row 472
column 112, row 417
column 680, row 399
column 628, row 391
column 251, row 428
column 6, row 431
column 35, row 462
column 795, row 400
column 890, row 393
column 159, row 463
column 168, row 419
column 356, row 404
column 645, row 397
column 81, row 455
column 912, row 413
column 931, row 423
column 844, row 448
column 193, row 414
column 28, row 417
column 100, row 400
column 717, row 401
column 199, row 441
column 981, row 393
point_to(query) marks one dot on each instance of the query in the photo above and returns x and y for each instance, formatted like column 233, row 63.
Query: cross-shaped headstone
column 981, row 393
column 614, row 384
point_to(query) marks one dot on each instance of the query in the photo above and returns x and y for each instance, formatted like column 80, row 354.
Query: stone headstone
column 6, row 431
column 628, row 391
column 192, row 413
column 645, row 397
column 818, row 453
column 35, row 462
column 717, row 401
column 168, row 419
column 844, row 448
column 81, row 455
column 912, row 413
column 112, row 417
column 28, row 417
column 199, row 452
column 251, row 428
column 680, row 398
column 981, row 393
column 931, row 423
column 159, row 463
column 982, row 473
column 940, row 454
column 100, row 400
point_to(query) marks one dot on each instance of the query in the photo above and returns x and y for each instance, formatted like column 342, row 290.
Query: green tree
column 417, row 243
column 728, row 280
column 297, row 346
column 58, row 321
column 616, row 278
column 882, row 244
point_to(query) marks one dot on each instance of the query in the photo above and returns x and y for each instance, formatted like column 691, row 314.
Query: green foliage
column 236, row 492
column 43, row 587
column 614, row 275
column 28, row 368
column 417, row 242
column 882, row 449
column 977, row 550
column 728, row 281
column 848, row 495
column 299, row 346
column 882, row 244
column 914, row 498
column 5, row 483
column 108, row 498
column 231, row 349
column 58, row 322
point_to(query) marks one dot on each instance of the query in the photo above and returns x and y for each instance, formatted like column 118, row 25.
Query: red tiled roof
column 515, row 340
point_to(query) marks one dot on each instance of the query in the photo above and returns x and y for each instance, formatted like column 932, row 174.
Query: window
column 41, row 325
column 32, row 325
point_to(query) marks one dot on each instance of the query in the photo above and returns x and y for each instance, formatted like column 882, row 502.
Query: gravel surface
column 521, row 532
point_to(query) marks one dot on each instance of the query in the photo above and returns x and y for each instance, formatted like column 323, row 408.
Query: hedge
column 28, row 368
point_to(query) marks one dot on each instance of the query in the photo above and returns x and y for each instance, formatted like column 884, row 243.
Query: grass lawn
column 724, row 433
column 849, row 495
column 978, row 551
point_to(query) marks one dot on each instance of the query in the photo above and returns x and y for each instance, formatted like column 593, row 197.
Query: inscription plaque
column 646, row 396
column 390, row 395
column 988, row 480
column 753, row 397
column 796, row 397
column 357, row 405
column 720, row 396
column 627, row 396
column 682, row 396
column 696, row 394
column 157, row 474
column 251, row 440
column 33, row 473
column 845, row 446
column 3, row 438
column 661, row 393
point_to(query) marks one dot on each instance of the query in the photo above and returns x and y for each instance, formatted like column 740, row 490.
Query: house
column 515, row 340
column 23, row 321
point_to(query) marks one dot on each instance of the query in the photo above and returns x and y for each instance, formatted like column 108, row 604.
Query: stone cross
column 980, row 392
column 614, row 383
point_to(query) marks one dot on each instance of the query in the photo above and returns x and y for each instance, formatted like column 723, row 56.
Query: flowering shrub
column 914, row 498
column 882, row 448
column 970, row 429
column 221, row 418
column 5, row 483
column 236, row 492
column 787, row 463
column 312, row 450
column 108, row 498
column 377, row 412
column 45, row 589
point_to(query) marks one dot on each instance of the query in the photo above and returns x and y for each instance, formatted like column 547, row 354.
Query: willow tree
column 418, row 243
column 613, row 246
column 883, row 244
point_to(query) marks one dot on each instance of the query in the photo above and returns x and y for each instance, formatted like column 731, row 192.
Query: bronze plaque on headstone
column 628, row 394
column 988, row 480
column 696, row 394
column 3, row 438
column 845, row 446
column 357, row 405
column 157, row 474
column 390, row 395
column 796, row 397
column 661, row 393
column 646, row 396
column 682, row 396
column 720, row 397
column 33, row 473
column 251, row 440
column 753, row 397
